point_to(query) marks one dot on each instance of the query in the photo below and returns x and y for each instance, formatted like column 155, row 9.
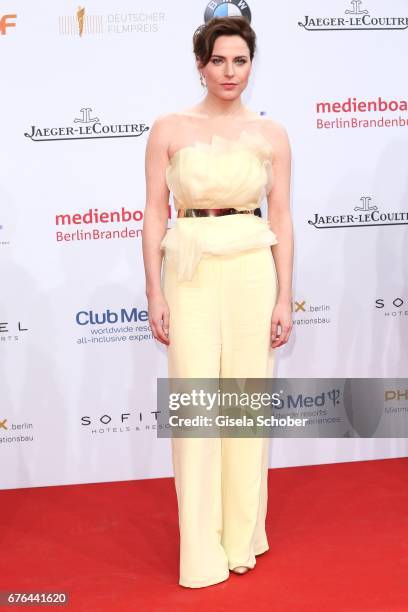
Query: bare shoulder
column 274, row 131
column 160, row 138
column 277, row 135
column 163, row 125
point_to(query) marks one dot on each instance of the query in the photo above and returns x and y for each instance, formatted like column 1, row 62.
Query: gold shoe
column 241, row 569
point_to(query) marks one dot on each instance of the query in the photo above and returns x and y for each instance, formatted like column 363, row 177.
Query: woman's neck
column 215, row 108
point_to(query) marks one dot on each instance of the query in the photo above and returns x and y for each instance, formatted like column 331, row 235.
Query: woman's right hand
column 159, row 316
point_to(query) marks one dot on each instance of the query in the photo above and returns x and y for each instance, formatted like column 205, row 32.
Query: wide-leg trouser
column 220, row 327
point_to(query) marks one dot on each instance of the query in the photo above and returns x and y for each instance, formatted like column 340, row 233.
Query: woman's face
column 229, row 64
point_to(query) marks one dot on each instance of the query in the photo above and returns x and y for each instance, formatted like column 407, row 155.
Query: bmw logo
column 220, row 8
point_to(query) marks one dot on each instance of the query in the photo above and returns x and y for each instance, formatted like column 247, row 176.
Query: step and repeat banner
column 81, row 87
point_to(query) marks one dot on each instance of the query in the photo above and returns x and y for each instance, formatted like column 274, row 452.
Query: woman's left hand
column 282, row 317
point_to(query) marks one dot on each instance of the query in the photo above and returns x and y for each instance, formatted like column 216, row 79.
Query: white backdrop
column 78, row 387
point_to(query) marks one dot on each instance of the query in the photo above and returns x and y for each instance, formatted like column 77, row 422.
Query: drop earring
column 202, row 80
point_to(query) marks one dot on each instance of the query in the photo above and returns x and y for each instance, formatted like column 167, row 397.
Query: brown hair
column 205, row 35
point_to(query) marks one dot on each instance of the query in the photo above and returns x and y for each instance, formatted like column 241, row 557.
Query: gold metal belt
column 215, row 212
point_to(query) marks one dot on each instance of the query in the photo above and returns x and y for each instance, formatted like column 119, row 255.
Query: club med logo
column 90, row 317
column 85, row 127
column 366, row 215
column 220, row 8
column 113, row 326
column 356, row 18
column 6, row 21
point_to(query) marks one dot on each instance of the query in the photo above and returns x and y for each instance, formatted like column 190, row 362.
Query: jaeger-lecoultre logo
column 366, row 215
column 356, row 18
column 84, row 127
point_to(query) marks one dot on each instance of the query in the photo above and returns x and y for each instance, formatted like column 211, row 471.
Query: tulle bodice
column 223, row 173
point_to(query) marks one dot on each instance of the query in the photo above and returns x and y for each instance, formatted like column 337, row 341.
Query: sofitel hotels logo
column 356, row 18
column 11, row 331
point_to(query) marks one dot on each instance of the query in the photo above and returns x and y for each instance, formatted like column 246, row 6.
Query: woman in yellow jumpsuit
column 223, row 303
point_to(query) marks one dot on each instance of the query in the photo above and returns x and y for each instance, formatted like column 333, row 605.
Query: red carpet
column 338, row 537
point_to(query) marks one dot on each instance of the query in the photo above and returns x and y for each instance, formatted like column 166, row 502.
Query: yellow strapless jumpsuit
column 219, row 280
